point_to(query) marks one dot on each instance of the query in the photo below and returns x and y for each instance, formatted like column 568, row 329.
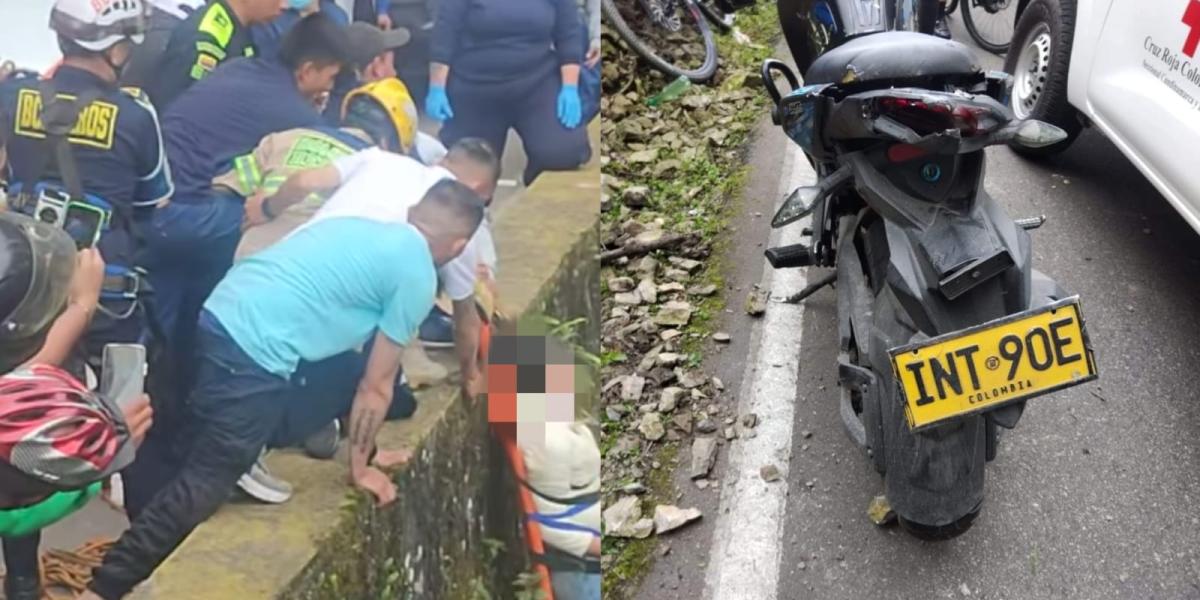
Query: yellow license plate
column 993, row 364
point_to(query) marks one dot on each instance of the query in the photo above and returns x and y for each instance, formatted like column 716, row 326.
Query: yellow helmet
column 392, row 110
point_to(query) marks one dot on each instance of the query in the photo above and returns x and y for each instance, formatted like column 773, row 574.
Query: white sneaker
column 259, row 484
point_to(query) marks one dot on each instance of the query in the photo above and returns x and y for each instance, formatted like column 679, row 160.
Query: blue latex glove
column 569, row 110
column 437, row 104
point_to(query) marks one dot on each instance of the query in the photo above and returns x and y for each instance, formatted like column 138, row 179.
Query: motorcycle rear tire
column 940, row 533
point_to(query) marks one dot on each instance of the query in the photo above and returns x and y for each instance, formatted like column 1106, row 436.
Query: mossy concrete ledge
column 328, row 542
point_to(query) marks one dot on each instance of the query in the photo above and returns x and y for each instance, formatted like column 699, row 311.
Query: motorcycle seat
column 892, row 55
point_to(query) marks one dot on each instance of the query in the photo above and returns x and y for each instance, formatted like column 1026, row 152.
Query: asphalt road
column 1093, row 495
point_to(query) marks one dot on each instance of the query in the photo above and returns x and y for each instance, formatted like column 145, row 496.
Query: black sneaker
column 22, row 587
column 941, row 28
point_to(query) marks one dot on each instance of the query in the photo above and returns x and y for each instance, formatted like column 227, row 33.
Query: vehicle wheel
column 1038, row 62
column 940, row 533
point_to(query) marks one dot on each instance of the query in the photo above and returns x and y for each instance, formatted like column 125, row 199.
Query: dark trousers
column 189, row 247
column 21, row 555
column 324, row 391
column 236, row 406
column 530, row 106
column 412, row 62
column 589, row 81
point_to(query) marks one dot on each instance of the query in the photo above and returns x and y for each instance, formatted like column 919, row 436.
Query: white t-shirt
column 565, row 465
column 429, row 149
column 382, row 186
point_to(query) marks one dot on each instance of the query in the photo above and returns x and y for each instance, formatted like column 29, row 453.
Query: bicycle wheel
column 990, row 23
column 689, row 50
column 720, row 19
column 951, row 5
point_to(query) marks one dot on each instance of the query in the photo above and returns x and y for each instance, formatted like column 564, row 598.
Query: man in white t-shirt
column 379, row 185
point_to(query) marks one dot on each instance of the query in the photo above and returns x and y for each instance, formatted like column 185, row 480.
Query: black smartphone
column 83, row 223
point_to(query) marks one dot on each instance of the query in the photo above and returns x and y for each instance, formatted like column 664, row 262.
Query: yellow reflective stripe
column 248, row 174
column 204, row 47
column 249, row 51
column 216, row 22
column 272, row 183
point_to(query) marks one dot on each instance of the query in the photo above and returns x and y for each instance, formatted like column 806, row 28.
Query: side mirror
column 1032, row 133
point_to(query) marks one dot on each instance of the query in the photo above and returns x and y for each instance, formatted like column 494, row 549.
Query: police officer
column 164, row 17
column 113, row 152
column 207, row 38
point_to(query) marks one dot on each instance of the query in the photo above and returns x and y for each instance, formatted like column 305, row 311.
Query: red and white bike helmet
column 98, row 25
column 56, row 431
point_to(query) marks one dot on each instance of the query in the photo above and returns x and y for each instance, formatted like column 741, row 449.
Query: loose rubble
column 624, row 519
column 704, row 456
column 651, row 426
column 756, row 302
column 669, row 518
column 657, row 301
column 769, row 473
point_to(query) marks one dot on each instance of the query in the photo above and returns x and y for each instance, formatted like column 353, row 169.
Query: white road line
column 745, row 555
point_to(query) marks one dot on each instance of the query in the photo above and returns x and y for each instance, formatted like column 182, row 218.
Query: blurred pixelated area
column 532, row 380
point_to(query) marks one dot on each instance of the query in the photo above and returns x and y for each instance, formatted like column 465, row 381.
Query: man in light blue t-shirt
column 318, row 293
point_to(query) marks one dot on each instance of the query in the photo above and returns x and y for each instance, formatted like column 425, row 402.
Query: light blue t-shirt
column 324, row 290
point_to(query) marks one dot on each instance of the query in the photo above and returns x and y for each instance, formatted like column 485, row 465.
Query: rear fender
column 935, row 477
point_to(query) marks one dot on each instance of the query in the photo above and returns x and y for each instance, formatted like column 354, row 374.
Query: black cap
column 368, row 41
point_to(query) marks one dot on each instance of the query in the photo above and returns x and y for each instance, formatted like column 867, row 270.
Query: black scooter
column 945, row 329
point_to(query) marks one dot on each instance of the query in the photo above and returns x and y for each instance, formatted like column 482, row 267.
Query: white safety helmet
column 98, row 25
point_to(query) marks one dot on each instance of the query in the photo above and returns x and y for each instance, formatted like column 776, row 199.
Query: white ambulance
column 1130, row 68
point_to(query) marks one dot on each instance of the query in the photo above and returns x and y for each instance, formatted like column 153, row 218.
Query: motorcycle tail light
column 926, row 117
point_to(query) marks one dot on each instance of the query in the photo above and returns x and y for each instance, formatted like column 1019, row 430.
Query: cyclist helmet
column 385, row 110
column 37, row 261
column 98, row 25
column 55, row 431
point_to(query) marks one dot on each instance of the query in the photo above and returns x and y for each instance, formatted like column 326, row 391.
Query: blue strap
column 548, row 522
column 570, row 512
column 555, row 520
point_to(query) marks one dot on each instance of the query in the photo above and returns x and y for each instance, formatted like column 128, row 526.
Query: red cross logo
column 1191, row 18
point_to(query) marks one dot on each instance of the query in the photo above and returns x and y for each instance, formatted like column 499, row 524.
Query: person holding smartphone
column 48, row 294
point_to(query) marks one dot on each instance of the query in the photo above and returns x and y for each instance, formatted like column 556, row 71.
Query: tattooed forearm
column 363, row 431
column 366, row 418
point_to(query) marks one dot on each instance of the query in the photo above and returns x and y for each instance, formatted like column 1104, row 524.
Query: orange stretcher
column 506, row 435
column 533, row 536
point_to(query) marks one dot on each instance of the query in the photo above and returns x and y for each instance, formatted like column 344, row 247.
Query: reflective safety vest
column 279, row 155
